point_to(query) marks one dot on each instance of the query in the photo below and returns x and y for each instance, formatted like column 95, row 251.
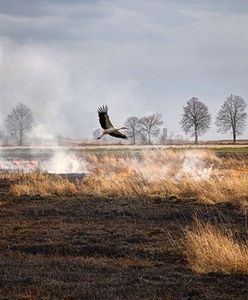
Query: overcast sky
column 66, row 57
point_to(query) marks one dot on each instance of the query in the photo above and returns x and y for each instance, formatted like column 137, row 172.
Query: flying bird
column 107, row 126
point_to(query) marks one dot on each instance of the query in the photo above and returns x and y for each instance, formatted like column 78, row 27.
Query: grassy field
column 153, row 223
column 45, row 151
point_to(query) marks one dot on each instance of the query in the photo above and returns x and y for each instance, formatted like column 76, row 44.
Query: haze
column 65, row 58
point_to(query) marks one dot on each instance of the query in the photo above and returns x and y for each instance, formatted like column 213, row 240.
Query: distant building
column 171, row 138
column 164, row 136
column 165, row 133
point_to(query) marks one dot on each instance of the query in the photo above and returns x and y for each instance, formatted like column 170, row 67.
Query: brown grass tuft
column 209, row 249
column 43, row 185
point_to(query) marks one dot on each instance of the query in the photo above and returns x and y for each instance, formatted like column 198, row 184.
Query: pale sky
column 64, row 58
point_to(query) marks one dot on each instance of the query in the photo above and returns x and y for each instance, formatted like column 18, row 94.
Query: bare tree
column 150, row 125
column 196, row 118
column 132, row 123
column 232, row 116
column 19, row 121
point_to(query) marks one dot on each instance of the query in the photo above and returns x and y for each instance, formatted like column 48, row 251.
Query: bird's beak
column 124, row 127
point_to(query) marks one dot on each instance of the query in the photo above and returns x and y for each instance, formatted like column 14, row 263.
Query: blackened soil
column 106, row 248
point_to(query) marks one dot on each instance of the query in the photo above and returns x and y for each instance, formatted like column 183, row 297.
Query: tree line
column 230, row 118
column 144, row 128
column 195, row 120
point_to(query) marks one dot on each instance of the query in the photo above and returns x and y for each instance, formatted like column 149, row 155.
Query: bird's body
column 107, row 126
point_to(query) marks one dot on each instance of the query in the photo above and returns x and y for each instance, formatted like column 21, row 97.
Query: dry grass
column 200, row 175
column 195, row 174
column 210, row 249
column 42, row 184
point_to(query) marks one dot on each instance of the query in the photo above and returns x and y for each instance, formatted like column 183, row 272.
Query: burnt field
column 162, row 240
column 103, row 248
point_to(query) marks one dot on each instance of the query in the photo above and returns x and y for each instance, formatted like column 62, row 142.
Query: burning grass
column 184, row 174
column 212, row 249
column 195, row 174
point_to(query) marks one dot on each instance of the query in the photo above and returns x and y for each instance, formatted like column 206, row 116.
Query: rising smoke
column 195, row 166
column 63, row 162
column 159, row 165
column 179, row 165
column 63, row 99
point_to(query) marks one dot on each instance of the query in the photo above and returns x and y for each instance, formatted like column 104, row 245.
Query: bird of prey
column 107, row 126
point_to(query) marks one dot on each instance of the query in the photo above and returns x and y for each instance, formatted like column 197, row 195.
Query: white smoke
column 63, row 162
column 155, row 166
column 194, row 167
column 51, row 82
column 40, row 135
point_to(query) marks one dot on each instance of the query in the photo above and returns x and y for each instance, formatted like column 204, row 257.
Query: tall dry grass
column 212, row 249
column 42, row 184
column 194, row 174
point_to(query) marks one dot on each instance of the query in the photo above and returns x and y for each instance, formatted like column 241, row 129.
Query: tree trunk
column 21, row 138
column 149, row 138
column 196, row 136
column 134, row 138
column 234, row 136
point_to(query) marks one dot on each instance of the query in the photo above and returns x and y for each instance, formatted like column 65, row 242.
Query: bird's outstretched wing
column 103, row 117
column 118, row 134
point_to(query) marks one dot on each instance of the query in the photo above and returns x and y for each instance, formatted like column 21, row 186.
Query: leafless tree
column 196, row 118
column 19, row 121
column 150, row 125
column 232, row 116
column 132, row 123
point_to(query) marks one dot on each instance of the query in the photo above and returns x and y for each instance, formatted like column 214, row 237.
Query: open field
column 145, row 224
column 46, row 151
